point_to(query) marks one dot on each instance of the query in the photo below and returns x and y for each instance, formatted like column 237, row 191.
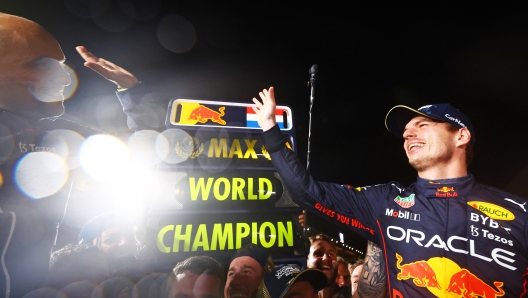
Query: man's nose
column 409, row 133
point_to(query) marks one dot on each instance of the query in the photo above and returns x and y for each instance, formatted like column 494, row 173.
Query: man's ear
column 463, row 137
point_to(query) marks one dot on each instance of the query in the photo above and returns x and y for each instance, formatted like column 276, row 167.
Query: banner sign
column 229, row 115
column 227, row 190
column 220, row 235
column 217, row 150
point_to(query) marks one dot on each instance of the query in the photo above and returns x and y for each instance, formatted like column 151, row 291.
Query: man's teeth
column 415, row 145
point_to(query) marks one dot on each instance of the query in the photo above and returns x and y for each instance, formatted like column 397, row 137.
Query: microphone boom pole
column 313, row 70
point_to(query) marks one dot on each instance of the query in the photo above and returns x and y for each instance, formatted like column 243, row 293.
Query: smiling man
column 322, row 256
column 445, row 234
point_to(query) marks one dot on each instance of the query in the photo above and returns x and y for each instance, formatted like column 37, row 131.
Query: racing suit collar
column 446, row 188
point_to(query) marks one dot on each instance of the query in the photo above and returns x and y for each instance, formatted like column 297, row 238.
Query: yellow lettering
column 195, row 188
column 238, row 188
column 254, row 233
column 227, row 189
column 272, row 234
column 159, row 240
column 201, row 239
column 222, row 237
column 242, row 231
column 264, row 194
column 235, row 149
column 251, row 149
column 218, row 148
column 285, row 233
column 186, row 238
column 251, row 195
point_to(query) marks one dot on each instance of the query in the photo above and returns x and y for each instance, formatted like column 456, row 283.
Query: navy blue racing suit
column 450, row 237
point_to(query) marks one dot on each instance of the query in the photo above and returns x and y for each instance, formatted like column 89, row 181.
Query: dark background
column 371, row 57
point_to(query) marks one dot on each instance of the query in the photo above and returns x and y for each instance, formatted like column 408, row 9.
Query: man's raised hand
column 266, row 110
column 115, row 74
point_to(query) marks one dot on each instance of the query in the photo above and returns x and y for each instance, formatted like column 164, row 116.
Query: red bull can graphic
column 445, row 278
column 203, row 114
column 228, row 115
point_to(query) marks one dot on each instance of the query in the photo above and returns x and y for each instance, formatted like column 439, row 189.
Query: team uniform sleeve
column 354, row 208
column 142, row 108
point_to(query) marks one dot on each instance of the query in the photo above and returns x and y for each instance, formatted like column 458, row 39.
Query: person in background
column 196, row 277
column 289, row 282
column 248, row 266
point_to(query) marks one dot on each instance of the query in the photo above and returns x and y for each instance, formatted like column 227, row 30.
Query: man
column 355, row 272
column 31, row 83
column 196, row 277
column 106, row 245
column 322, row 256
column 248, row 266
column 290, row 282
column 341, row 287
column 445, row 234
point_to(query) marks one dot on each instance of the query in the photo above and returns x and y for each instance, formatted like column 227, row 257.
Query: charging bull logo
column 421, row 273
column 453, row 281
column 468, row 285
column 202, row 114
column 445, row 189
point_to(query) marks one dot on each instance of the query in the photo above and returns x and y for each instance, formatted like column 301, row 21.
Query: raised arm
column 266, row 110
column 114, row 73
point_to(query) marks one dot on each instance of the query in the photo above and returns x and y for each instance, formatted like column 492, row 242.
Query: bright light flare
column 180, row 146
column 131, row 190
column 41, row 174
column 104, row 157
column 65, row 143
column 70, row 90
column 176, row 34
column 143, row 146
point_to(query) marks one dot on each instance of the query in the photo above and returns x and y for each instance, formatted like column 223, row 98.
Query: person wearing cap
column 248, row 266
column 445, row 234
column 290, row 282
column 106, row 245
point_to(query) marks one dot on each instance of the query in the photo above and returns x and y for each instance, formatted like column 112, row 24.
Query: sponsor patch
column 405, row 202
column 446, row 192
column 492, row 210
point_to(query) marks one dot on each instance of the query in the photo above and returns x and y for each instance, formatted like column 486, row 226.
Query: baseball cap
column 400, row 115
column 279, row 281
column 95, row 226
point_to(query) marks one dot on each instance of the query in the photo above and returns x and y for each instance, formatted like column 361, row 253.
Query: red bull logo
column 453, row 281
column 421, row 273
column 467, row 284
column 203, row 114
column 445, row 191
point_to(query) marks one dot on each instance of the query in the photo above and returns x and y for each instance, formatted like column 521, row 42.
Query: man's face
column 343, row 275
column 321, row 256
column 34, row 72
column 355, row 278
column 192, row 285
column 301, row 289
column 428, row 143
column 116, row 242
column 243, row 278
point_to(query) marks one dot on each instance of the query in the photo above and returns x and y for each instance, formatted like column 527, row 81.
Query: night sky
column 371, row 56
